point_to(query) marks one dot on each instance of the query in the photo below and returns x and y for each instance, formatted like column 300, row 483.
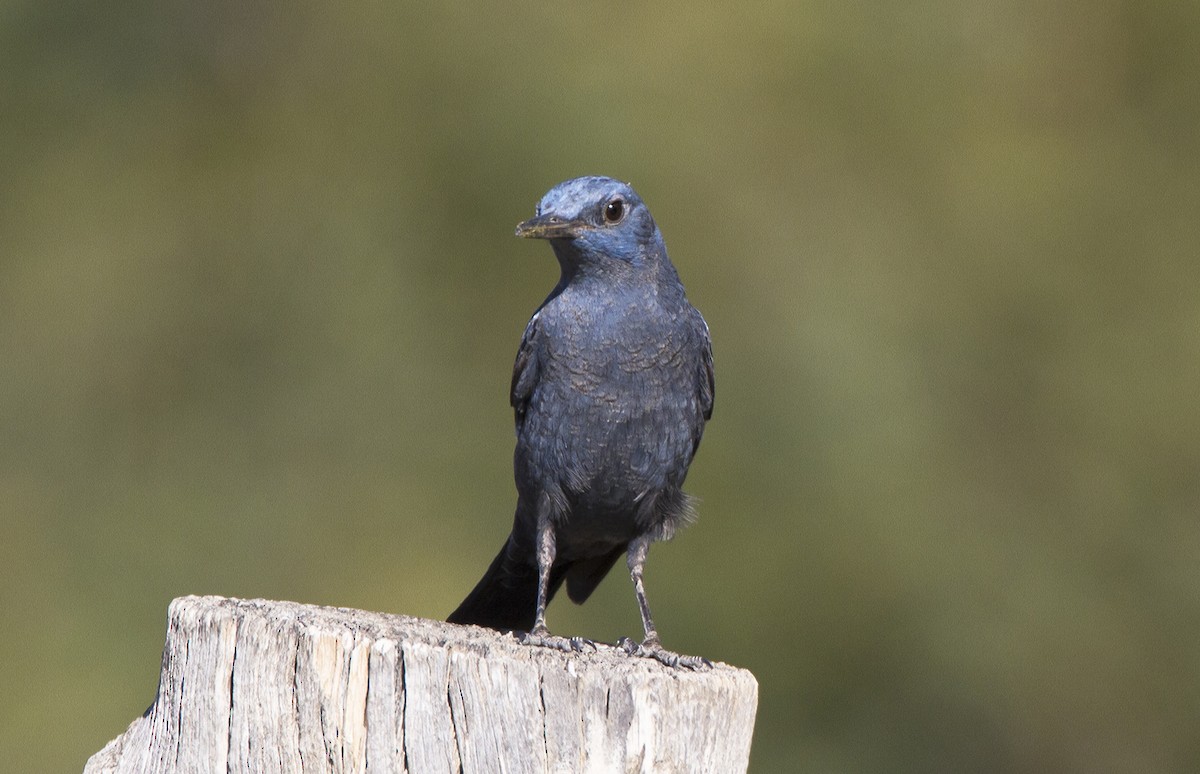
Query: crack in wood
column 292, row 683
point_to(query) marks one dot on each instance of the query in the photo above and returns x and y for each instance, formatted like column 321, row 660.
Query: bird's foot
column 651, row 648
column 544, row 639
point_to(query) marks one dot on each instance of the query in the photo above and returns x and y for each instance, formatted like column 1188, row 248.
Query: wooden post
column 261, row 686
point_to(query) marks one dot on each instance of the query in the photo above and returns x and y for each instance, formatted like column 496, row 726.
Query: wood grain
column 263, row 686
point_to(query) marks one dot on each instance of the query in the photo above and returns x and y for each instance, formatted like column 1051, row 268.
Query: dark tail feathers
column 506, row 596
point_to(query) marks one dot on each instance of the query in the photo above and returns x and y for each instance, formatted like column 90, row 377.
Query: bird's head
column 595, row 219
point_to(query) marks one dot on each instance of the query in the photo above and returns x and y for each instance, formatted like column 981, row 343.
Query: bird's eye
column 614, row 211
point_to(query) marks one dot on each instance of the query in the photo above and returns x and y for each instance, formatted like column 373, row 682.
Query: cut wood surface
column 262, row 686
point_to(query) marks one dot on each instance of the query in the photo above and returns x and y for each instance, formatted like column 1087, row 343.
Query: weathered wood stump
column 261, row 686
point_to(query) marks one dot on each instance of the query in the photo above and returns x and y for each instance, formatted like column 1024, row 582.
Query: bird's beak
column 548, row 226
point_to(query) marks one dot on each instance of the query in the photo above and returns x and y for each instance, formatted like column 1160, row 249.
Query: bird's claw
column 580, row 644
column 652, row 649
column 564, row 644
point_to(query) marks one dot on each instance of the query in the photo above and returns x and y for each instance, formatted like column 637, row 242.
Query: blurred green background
column 260, row 296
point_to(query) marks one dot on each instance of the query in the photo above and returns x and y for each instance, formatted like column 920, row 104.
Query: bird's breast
column 612, row 426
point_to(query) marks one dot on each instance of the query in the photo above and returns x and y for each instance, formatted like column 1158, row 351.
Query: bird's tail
column 506, row 596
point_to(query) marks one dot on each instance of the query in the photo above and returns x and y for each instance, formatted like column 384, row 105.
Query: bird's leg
column 638, row 550
column 546, row 550
column 651, row 647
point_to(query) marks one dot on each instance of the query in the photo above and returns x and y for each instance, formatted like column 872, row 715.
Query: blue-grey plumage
column 611, row 388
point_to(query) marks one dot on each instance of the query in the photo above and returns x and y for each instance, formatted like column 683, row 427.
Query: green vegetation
column 259, row 299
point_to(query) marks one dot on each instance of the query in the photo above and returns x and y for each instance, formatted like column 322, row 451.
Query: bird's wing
column 707, row 384
column 525, row 371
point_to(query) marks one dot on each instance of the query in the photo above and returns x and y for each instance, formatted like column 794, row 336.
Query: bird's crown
column 581, row 199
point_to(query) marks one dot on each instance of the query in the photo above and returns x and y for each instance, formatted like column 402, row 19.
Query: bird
column 611, row 390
